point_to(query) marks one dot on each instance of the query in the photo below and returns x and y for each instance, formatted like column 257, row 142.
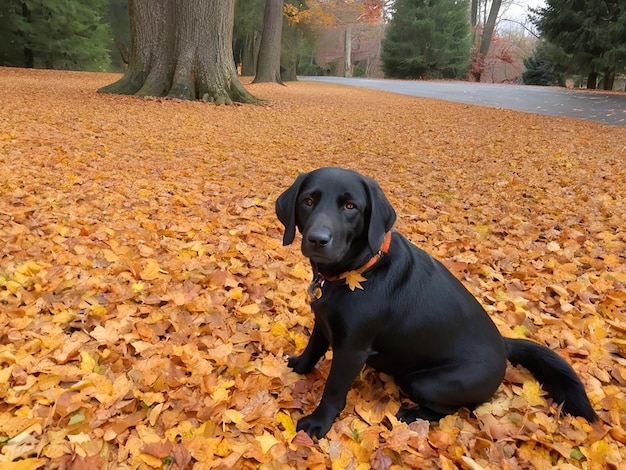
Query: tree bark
column 592, row 81
column 182, row 49
column 268, row 62
column 474, row 13
column 250, row 54
column 487, row 34
column 347, row 52
column 490, row 25
column 608, row 80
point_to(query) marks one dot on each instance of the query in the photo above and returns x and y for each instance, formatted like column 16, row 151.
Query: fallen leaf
column 353, row 279
column 146, row 297
column 267, row 441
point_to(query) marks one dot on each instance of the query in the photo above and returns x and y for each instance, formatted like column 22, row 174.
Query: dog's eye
column 308, row 202
column 350, row 206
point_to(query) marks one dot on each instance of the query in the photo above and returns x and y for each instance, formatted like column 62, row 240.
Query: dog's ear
column 381, row 215
column 286, row 208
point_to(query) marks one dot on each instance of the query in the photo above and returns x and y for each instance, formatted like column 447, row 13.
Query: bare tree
column 182, row 49
column 483, row 31
column 490, row 25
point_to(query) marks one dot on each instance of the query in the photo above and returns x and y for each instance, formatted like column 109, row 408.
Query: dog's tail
column 555, row 375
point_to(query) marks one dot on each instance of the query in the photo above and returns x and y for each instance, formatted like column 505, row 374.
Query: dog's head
column 340, row 213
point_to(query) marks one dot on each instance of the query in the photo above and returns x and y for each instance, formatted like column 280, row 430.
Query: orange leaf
column 353, row 279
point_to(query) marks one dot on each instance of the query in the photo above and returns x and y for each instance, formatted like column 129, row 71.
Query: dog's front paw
column 318, row 423
column 314, row 426
column 300, row 364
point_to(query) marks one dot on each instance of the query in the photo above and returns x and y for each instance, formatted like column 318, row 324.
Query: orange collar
column 373, row 260
column 315, row 288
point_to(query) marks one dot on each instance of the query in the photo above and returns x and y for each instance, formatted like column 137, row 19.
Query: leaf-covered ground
column 147, row 305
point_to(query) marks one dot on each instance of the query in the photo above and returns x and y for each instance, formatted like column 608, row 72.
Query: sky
column 519, row 9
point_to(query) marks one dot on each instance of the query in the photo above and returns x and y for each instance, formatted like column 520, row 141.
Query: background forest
column 482, row 40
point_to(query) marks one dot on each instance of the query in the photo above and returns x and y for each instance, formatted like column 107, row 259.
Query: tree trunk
column 485, row 41
column 490, row 25
column 182, row 49
column 268, row 62
column 592, row 80
column 474, row 13
column 29, row 58
column 249, row 54
column 289, row 56
column 347, row 52
column 608, row 80
column 289, row 70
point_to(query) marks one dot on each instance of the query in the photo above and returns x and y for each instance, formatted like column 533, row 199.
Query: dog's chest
column 329, row 318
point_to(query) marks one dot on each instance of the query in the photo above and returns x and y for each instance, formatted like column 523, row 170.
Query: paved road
column 608, row 108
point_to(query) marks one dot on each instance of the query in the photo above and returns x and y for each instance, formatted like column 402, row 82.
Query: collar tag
column 353, row 278
column 315, row 288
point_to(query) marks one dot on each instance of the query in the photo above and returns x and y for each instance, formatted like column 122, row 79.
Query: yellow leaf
column 267, row 441
column 532, row 392
column 65, row 316
column 235, row 293
column 341, row 458
column 301, row 272
column 250, row 309
column 520, row 331
column 97, row 310
column 278, row 329
column 220, row 394
column 29, row 268
column 5, row 373
column 223, row 449
column 150, row 460
column 13, row 286
column 233, row 415
column 150, row 271
column 353, row 279
column 25, row 464
column 287, row 423
column 299, row 339
column 221, row 391
column 87, row 362
column 150, row 398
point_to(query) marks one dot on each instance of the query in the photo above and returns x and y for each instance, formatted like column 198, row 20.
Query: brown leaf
column 144, row 288
column 158, row 449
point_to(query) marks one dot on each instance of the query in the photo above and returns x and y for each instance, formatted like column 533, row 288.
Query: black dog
column 380, row 300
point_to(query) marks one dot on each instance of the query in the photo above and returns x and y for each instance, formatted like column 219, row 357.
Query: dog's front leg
column 346, row 365
column 315, row 349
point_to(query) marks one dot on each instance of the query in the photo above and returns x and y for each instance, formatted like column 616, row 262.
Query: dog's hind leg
column 443, row 390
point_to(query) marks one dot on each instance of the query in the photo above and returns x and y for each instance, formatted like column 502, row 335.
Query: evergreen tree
column 590, row 32
column 247, row 33
column 120, row 27
column 55, row 34
column 542, row 68
column 426, row 39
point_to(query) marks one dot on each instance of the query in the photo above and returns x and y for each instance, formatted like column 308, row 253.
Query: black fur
column 413, row 319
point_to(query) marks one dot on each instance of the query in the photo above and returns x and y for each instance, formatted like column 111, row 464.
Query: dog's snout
column 319, row 238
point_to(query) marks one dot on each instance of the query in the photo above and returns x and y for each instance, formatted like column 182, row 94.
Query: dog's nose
column 319, row 238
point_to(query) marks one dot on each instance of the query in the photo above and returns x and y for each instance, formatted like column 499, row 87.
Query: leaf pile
column 147, row 306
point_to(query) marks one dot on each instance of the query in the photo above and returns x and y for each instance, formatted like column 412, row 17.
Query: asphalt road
column 607, row 108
